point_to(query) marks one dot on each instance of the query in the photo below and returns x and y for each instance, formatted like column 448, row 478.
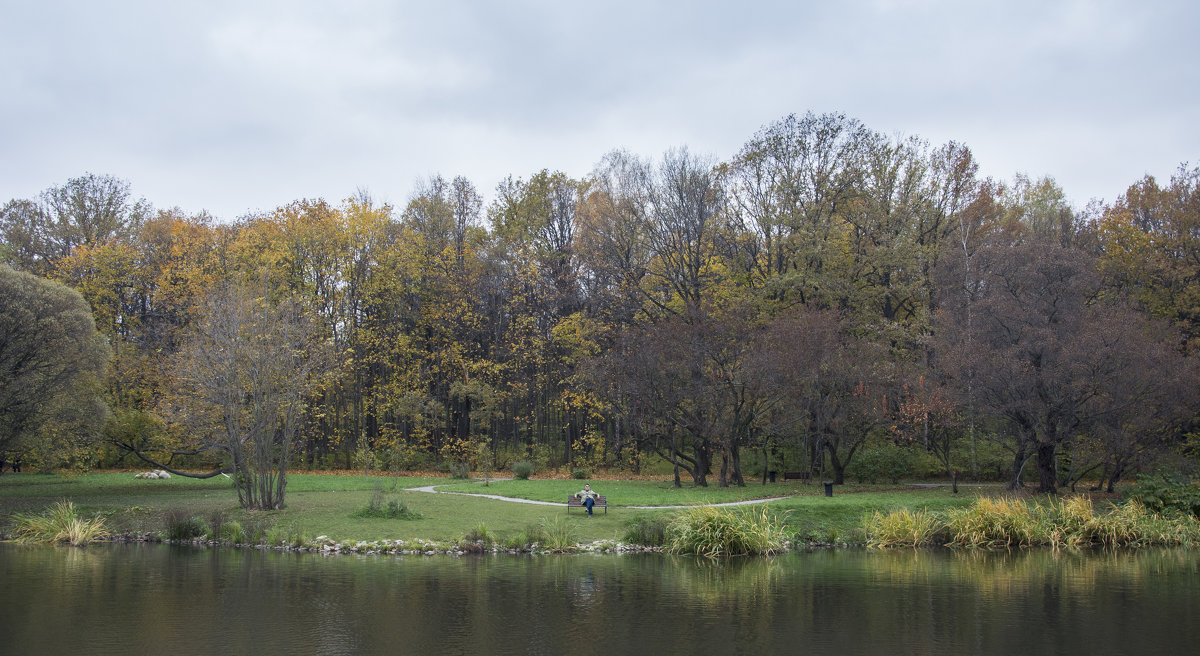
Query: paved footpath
column 431, row 488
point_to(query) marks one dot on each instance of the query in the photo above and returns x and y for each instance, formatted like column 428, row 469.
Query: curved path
column 430, row 488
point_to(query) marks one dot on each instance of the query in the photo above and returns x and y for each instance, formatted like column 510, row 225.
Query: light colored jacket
column 586, row 493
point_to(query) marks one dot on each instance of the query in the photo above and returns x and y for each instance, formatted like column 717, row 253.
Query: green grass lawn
column 631, row 493
column 838, row 518
column 325, row 504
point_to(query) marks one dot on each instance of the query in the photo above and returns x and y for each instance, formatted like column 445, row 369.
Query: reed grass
column 902, row 528
column 182, row 526
column 285, row 536
column 646, row 532
column 1072, row 522
column 60, row 523
column 558, row 534
column 525, row 540
column 480, row 534
column 715, row 532
column 232, row 532
column 992, row 523
column 1132, row 525
column 1069, row 522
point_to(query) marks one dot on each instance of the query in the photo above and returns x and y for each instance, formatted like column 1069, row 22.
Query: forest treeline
column 829, row 297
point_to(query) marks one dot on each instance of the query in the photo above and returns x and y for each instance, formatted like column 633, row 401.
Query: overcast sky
column 244, row 106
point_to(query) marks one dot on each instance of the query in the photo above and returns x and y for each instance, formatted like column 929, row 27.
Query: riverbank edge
column 420, row 547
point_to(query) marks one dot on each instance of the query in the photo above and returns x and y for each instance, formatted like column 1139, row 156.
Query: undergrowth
column 378, row 508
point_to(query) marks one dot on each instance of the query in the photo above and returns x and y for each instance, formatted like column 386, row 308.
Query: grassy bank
column 332, row 505
column 1007, row 523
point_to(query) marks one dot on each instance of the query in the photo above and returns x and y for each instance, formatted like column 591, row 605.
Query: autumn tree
column 540, row 216
column 144, row 292
column 791, row 184
column 426, row 307
column 244, row 379
column 323, row 256
column 536, row 270
column 612, row 239
column 686, row 208
column 926, row 414
column 657, row 376
column 1151, row 249
column 701, row 390
column 52, row 368
column 845, row 398
column 85, row 211
column 1048, row 358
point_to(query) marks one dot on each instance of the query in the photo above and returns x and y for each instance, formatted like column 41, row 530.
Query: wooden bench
column 801, row 476
column 575, row 502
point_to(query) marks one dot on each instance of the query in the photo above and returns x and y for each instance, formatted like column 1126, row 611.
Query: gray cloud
column 240, row 106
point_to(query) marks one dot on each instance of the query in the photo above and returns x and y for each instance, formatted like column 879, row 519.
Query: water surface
column 134, row 599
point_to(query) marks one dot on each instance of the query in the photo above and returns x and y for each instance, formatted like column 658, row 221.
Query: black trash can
column 771, row 475
column 828, row 488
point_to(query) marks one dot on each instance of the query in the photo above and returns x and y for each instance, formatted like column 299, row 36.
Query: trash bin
column 828, row 488
column 771, row 475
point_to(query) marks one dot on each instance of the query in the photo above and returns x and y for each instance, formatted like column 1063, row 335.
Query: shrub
column 286, row 536
column 460, row 470
column 380, row 508
column 901, row 528
column 882, row 463
column 183, row 527
column 401, row 457
column 365, row 460
column 296, row 537
column 277, row 536
column 479, row 534
column 1072, row 522
column 397, row 509
column 60, row 523
column 646, row 532
column 714, row 532
column 216, row 522
column 581, row 473
column 255, row 531
column 540, row 455
column 1161, row 492
column 522, row 470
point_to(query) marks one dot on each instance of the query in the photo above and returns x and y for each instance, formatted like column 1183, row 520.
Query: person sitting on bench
column 588, row 497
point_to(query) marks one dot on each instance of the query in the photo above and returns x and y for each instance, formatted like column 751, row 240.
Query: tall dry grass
column 992, row 523
column 60, row 523
column 1002, row 523
column 714, row 532
column 902, row 528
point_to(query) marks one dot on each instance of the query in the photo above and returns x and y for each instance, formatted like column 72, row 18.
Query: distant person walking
column 588, row 497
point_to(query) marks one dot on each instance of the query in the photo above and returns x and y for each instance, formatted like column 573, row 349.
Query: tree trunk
column 839, row 469
column 1019, row 460
column 674, row 458
column 1118, row 471
column 1047, row 478
column 703, row 465
column 735, row 455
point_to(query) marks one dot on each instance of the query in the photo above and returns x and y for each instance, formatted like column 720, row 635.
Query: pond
column 135, row 599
